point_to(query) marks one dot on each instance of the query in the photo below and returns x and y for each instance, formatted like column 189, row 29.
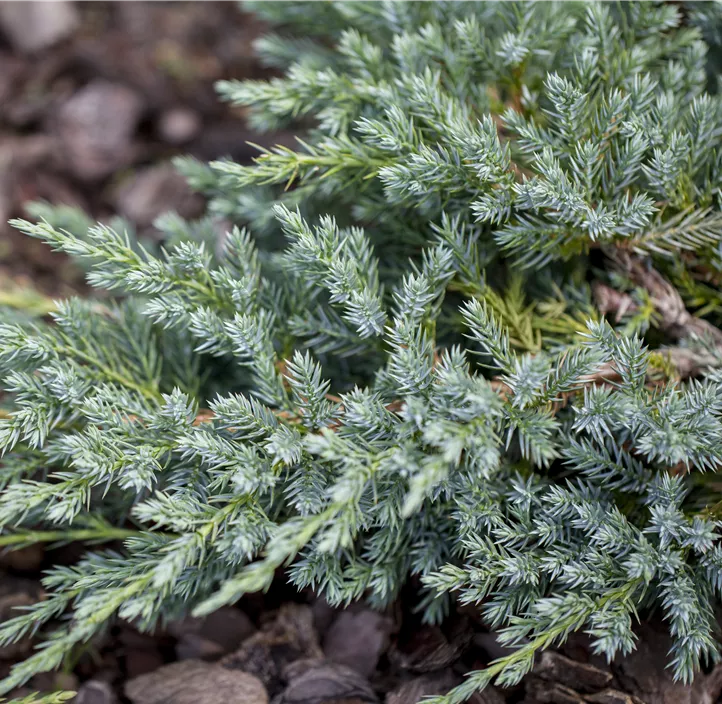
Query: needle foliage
column 395, row 367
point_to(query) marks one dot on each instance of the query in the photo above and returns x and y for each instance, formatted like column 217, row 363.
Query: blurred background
column 96, row 98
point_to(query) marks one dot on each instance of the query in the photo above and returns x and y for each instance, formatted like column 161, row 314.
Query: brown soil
column 90, row 116
column 126, row 86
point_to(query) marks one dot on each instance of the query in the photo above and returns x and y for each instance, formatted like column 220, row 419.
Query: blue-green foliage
column 359, row 385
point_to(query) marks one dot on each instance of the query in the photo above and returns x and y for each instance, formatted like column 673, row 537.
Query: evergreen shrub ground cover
column 397, row 367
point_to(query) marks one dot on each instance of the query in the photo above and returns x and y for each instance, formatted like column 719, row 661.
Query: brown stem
column 676, row 320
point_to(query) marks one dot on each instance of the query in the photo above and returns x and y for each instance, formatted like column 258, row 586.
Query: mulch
column 95, row 99
column 94, row 102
